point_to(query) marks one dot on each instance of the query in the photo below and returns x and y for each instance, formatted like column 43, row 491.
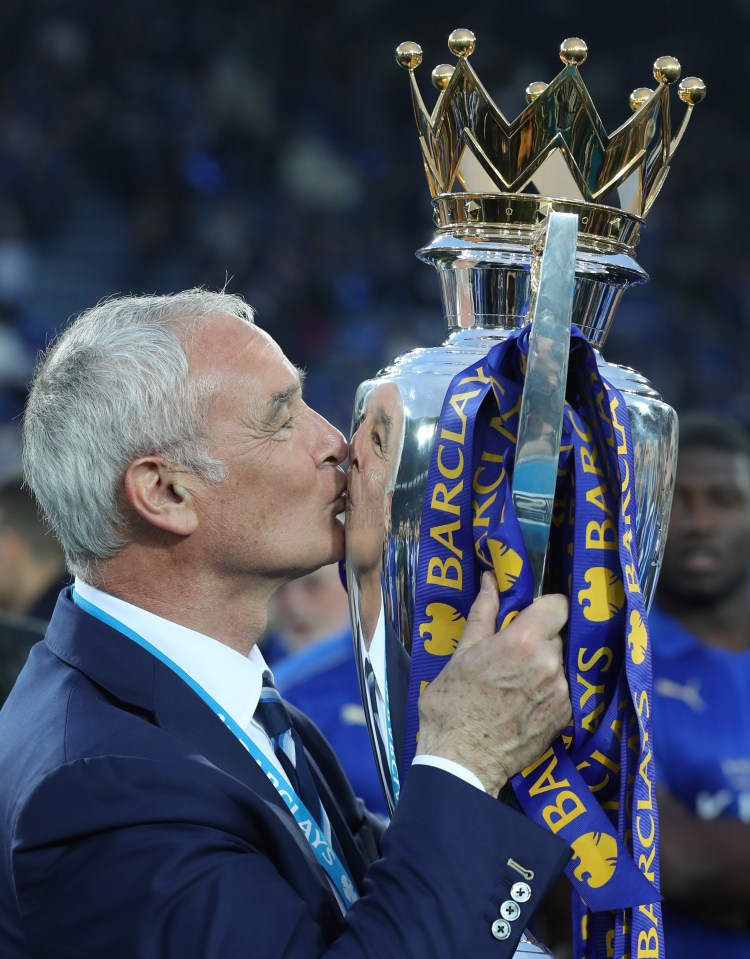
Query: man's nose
column 335, row 444
column 702, row 517
column 354, row 447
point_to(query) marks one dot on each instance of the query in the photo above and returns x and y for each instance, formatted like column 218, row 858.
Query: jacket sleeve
column 137, row 859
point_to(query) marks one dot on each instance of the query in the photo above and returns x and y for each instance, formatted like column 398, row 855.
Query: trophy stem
column 485, row 281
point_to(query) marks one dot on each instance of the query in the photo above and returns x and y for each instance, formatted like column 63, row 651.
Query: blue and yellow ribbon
column 595, row 785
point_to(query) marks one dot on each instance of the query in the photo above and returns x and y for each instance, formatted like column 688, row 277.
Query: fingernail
column 486, row 581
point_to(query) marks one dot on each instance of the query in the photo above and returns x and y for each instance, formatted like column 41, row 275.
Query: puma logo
column 689, row 693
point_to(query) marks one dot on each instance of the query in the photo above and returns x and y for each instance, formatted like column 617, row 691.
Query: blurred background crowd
column 150, row 146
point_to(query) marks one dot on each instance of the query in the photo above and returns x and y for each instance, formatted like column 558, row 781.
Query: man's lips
column 341, row 488
column 699, row 559
column 340, row 501
column 340, row 507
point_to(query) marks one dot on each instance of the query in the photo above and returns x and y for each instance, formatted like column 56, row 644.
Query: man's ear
column 161, row 495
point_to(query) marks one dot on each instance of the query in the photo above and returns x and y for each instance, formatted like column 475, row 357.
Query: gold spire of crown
column 555, row 154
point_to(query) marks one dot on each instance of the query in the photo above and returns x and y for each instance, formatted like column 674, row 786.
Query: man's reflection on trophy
column 374, row 458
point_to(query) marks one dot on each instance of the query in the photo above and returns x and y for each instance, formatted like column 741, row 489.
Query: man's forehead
column 215, row 343
column 384, row 400
column 706, row 465
column 234, row 356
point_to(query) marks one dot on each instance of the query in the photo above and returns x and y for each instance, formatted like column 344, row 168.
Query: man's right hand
column 503, row 697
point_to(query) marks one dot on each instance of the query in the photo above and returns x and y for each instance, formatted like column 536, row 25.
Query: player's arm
column 705, row 863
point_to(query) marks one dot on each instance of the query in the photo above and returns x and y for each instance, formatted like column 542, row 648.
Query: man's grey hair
column 113, row 387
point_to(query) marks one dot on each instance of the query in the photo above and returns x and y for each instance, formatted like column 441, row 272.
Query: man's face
column 11, row 554
column 707, row 557
column 274, row 516
column 374, row 456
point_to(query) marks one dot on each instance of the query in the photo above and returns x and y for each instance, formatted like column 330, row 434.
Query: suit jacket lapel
column 136, row 678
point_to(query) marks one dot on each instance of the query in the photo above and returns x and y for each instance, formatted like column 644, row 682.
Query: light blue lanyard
column 321, row 847
column 393, row 770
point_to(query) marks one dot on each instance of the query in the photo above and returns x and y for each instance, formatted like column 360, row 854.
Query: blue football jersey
column 701, row 728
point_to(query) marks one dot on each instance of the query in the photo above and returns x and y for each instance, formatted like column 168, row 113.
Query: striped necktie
column 272, row 715
column 383, row 754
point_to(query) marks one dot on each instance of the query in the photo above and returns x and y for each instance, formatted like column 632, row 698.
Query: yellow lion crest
column 444, row 630
column 507, row 564
column 596, row 855
column 604, row 596
column 637, row 638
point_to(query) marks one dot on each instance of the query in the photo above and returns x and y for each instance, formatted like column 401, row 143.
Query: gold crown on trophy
column 555, row 155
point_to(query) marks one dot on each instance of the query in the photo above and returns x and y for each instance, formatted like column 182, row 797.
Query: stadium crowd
column 150, row 147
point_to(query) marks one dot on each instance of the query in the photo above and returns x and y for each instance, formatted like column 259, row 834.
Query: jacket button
column 500, row 929
column 520, row 892
column 510, row 910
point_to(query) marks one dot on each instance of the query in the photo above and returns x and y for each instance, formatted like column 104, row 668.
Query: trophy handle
column 543, row 398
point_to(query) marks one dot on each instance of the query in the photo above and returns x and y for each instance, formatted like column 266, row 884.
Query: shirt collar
column 377, row 653
column 232, row 679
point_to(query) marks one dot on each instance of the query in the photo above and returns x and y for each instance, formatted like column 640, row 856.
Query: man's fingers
column 482, row 619
column 546, row 615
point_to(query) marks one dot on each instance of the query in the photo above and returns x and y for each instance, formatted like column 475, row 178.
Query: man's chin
column 339, row 541
column 701, row 592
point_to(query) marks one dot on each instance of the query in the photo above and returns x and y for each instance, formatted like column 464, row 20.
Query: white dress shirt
column 233, row 680
column 377, row 661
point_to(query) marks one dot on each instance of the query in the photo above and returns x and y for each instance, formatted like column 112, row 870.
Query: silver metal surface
column 543, row 397
column 421, row 378
column 396, row 413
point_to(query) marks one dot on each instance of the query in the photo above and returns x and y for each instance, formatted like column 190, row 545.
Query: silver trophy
column 494, row 184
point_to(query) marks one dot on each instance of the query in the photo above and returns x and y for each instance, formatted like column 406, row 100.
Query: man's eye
column 377, row 442
column 726, row 498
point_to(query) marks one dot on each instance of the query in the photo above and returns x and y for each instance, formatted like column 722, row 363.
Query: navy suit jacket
column 136, row 826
